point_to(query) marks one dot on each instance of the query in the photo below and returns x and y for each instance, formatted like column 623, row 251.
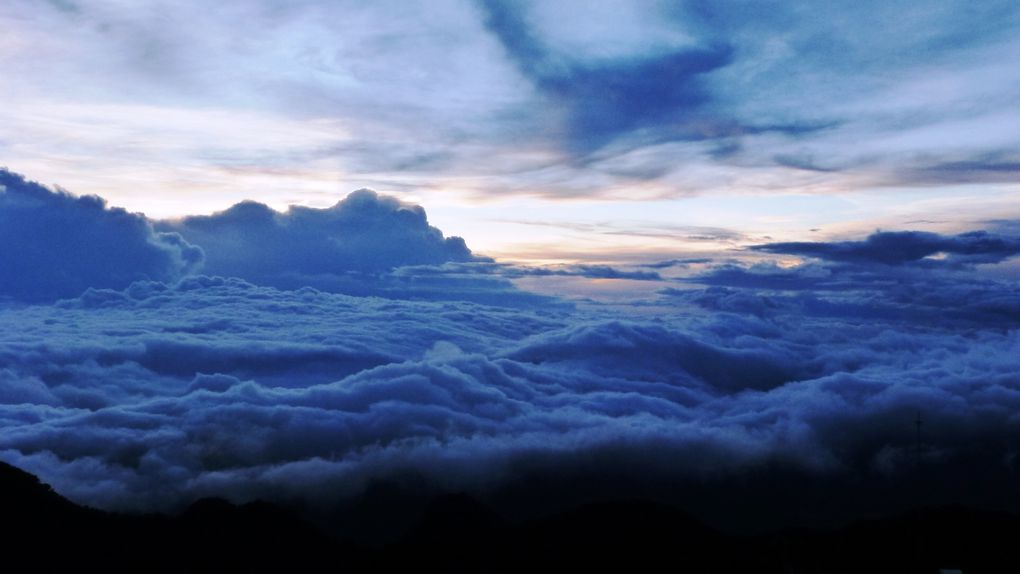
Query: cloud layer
column 149, row 394
column 150, row 397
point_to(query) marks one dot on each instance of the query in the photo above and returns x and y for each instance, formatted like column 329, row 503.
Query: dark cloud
column 681, row 263
column 655, row 97
column 604, row 272
column 610, row 100
column 53, row 244
column 365, row 232
column 802, row 162
column 366, row 244
column 889, row 276
column 509, row 271
column 57, row 245
column 1002, row 167
column 606, row 100
column 1009, row 227
column 903, row 247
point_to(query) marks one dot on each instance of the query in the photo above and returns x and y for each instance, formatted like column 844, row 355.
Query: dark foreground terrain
column 458, row 533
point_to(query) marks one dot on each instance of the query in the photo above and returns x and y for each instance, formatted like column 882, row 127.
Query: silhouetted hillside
column 41, row 526
column 458, row 533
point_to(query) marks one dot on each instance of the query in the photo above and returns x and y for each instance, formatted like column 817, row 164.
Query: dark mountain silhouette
column 44, row 528
column 456, row 532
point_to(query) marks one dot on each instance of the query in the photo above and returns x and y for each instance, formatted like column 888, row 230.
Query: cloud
column 16, row 390
column 511, row 271
column 157, row 394
column 604, row 100
column 903, row 247
column 517, row 98
column 595, row 272
column 53, row 244
column 658, row 354
column 993, row 167
column 805, row 163
column 364, row 232
column 902, row 277
column 154, row 393
column 678, row 263
column 365, row 244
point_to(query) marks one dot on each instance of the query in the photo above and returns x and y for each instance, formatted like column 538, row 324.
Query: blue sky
column 846, row 117
column 285, row 249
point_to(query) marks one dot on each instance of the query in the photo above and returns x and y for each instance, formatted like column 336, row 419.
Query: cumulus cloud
column 366, row 244
column 364, row 232
column 53, row 244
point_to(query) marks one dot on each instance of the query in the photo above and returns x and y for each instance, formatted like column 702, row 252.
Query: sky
column 546, row 132
column 286, row 250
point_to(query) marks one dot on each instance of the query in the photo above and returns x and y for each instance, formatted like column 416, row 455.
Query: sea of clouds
column 254, row 353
